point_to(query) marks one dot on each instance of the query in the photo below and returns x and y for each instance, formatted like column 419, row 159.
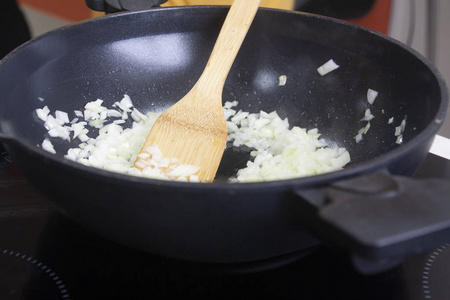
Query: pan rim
column 370, row 165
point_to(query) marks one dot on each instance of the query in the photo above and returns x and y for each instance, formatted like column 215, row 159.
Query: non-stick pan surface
column 155, row 57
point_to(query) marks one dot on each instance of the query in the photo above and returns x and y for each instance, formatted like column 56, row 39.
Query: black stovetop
column 44, row 255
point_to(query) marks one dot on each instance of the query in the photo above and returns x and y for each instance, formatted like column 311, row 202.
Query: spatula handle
column 231, row 36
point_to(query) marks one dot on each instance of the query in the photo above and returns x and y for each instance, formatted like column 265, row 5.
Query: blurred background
column 421, row 24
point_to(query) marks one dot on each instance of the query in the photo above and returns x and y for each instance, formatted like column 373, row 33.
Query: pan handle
column 379, row 217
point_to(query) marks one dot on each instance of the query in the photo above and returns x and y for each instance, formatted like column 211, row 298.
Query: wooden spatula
column 194, row 129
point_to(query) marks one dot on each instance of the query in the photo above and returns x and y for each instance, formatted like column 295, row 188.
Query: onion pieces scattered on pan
column 327, row 67
column 279, row 152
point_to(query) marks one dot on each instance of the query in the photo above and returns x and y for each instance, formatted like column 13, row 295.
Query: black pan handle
column 379, row 217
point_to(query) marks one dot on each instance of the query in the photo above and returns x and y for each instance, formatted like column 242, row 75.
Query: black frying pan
column 156, row 56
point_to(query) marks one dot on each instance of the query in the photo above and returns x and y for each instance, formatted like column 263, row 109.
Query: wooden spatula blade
column 186, row 133
column 194, row 130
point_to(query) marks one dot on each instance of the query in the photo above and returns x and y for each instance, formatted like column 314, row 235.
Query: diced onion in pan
column 63, row 116
column 358, row 138
column 279, row 152
column 327, row 67
column 42, row 113
column 48, row 146
column 371, row 96
column 282, row 80
column 368, row 115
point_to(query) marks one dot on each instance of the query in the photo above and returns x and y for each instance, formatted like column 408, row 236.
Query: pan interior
column 156, row 57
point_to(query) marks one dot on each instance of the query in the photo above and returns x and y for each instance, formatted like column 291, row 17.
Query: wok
column 372, row 207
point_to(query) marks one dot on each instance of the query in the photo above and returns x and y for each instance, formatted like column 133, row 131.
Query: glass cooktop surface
column 44, row 255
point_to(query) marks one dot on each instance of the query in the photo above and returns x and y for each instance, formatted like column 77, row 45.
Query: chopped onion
column 403, row 124
column 48, row 146
column 399, row 131
column 358, row 138
column 371, row 96
column 63, row 116
column 230, row 104
column 327, row 67
column 279, row 152
column 114, row 113
column 368, row 115
column 42, row 113
column 79, row 113
column 362, row 130
column 366, row 129
column 125, row 104
column 282, row 80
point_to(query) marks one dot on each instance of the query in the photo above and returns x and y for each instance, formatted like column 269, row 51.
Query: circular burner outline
column 50, row 273
column 427, row 269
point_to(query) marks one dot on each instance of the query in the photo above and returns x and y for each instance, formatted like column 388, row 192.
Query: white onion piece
column 63, row 116
column 137, row 116
column 48, row 146
column 361, row 130
column 114, row 113
column 282, row 80
column 327, row 67
column 371, row 96
column 391, row 120
column 240, row 115
column 403, row 124
column 95, row 106
column 399, row 131
column 42, row 113
column 358, row 138
column 183, row 171
column 125, row 104
column 152, row 163
column 368, row 115
column 230, row 104
column 79, row 113
column 103, row 115
column 78, row 128
column 366, row 129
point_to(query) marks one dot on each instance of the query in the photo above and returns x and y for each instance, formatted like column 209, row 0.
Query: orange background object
column 76, row 10
column 69, row 10
column 378, row 18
